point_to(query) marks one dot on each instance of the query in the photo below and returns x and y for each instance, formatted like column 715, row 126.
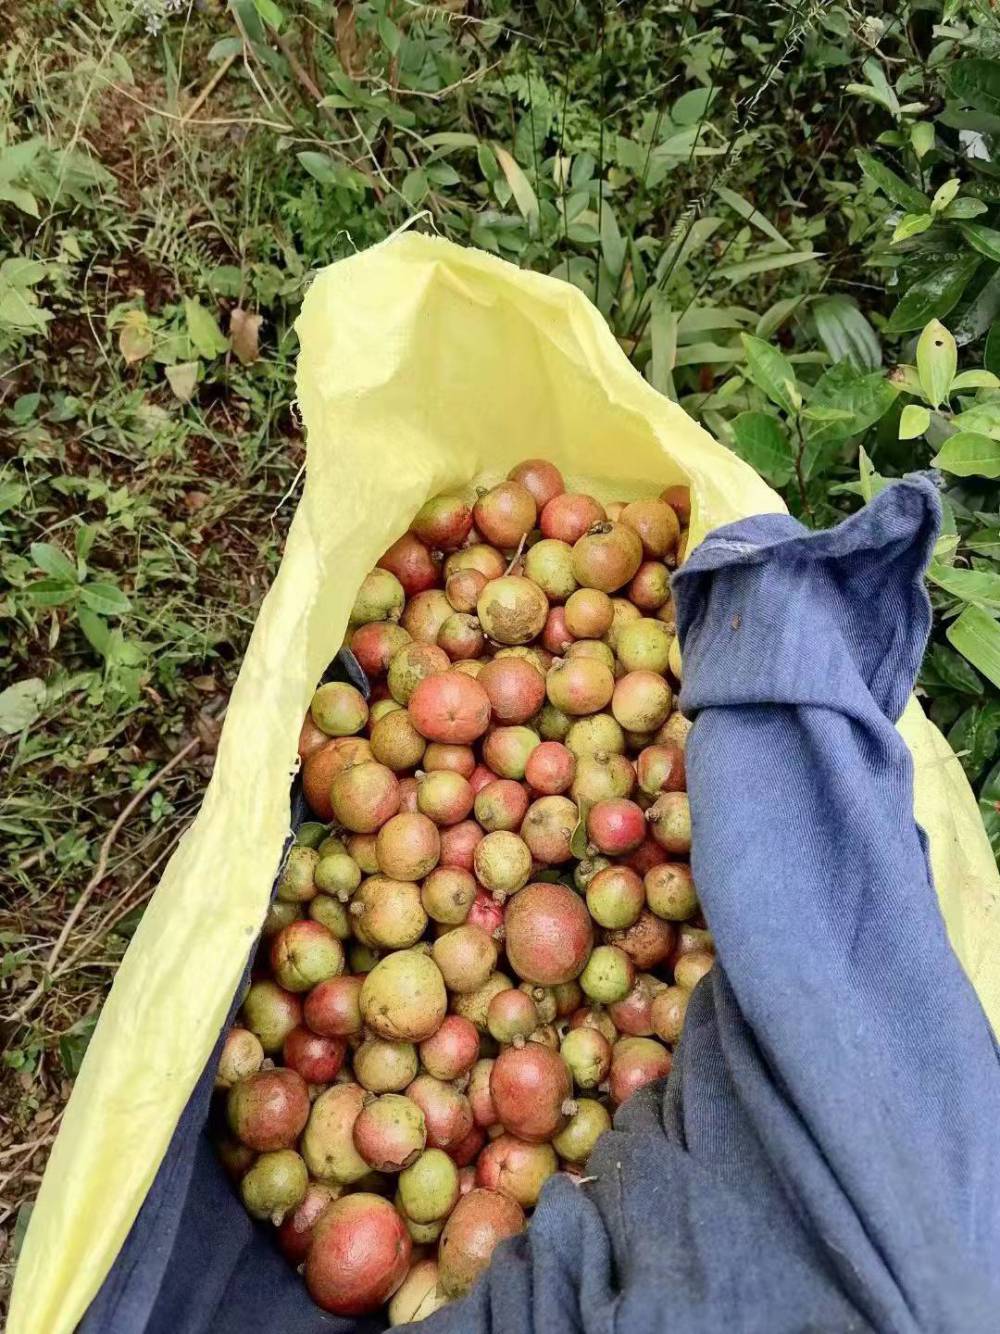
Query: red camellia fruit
column 556, row 637
column 316, row 1059
column 447, row 1113
column 551, row 768
column 452, row 1050
column 635, row 1062
column 296, row 1231
column 457, row 759
column 477, row 1225
column 516, row 689
column 501, row 804
column 412, row 563
column 529, row 1086
column 541, row 478
column 568, row 516
column 616, row 826
column 443, row 522
column 548, row 934
column 268, row 1110
column 311, row 737
column 450, row 707
column 375, row 643
column 458, row 844
column 467, row 1151
column 648, row 942
column 359, row 1256
column 333, row 1008
column 486, row 912
column 504, row 514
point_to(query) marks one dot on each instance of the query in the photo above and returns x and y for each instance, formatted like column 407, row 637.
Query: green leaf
column 95, row 630
column 870, row 482
column 663, row 337
column 986, row 541
column 865, row 397
column 976, row 635
column 974, row 380
column 771, row 371
column 937, row 360
column 73, row 1044
column 989, row 807
column 205, row 334
column 735, row 273
column 524, row 195
column 898, row 190
column 415, row 187
column 975, row 83
column 942, row 667
column 270, row 13
column 991, row 352
column 913, row 421
column 52, row 592
column 846, row 334
column 579, row 841
column 760, row 441
column 912, row 224
column 21, row 704
column 945, row 194
column 922, row 138
column 964, row 207
column 747, row 211
column 51, row 560
column 984, row 239
column 389, row 34
column 969, row 454
column 105, row 599
column 978, row 587
column 933, row 296
column 182, row 379
column 612, row 243
column 975, row 736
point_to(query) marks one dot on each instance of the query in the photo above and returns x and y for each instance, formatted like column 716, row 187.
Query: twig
column 99, row 871
column 213, row 120
column 209, row 87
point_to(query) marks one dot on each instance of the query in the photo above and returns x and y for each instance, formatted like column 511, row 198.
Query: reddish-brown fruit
column 548, row 934
column 504, row 514
column 443, row 522
column 478, row 1223
column 657, row 526
column 480, row 1098
column 479, row 556
column 323, row 766
column 548, row 829
column 589, row 613
column 661, row 768
column 467, row 1151
column 480, row 776
column 516, row 1168
column 506, row 750
column 268, row 1110
column 461, row 636
column 412, row 563
column 458, row 844
column 359, row 1256
column 633, row 1016
column 647, row 855
column 452, row 1050
column 317, row 1059
column 667, row 1013
column 486, row 912
column 550, row 769
column 365, row 796
column 516, row 689
column 642, row 701
column 689, row 969
column 311, row 738
column 390, row 1133
column 295, row 1234
column 466, row 956
column 501, row 805
column 463, row 588
column 511, row 1014
column 596, row 1017
column 413, row 664
column 679, row 500
column 425, row 614
column 650, row 586
column 395, row 742
column 447, row 1113
column 333, row 1009
column 635, row 1062
column 444, row 797
column 616, row 826
column 542, row 479
column 529, row 1086
column 556, row 637
column 670, row 891
column 648, row 942
column 450, row 707
column 569, row 516
column 375, row 644
column 408, row 847
column 670, row 821
column 512, row 610
column 579, row 685
column 408, row 795
column 444, row 755
column 607, row 556
column 467, row 1177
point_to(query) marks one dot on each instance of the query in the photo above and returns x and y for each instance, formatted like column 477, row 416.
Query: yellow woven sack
column 423, row 367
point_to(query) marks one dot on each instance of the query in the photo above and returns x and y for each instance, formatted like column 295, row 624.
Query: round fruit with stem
column 374, row 645
column 505, row 514
column 395, row 742
column 670, row 891
column 480, row 556
column 587, row 1053
column 512, row 610
column 408, row 846
column 428, row 1187
column 380, row 598
column 507, row 750
column 668, row 1011
column 501, row 805
column 589, row 613
column 443, row 522
column 316, row 1059
column 502, row 863
column 388, row 914
column 275, row 1184
column 268, row 1109
column 644, row 646
column 403, row 997
column 450, row 707
column 670, row 822
column 365, row 796
column 616, row 826
column 512, row 1016
column 661, row 768
column 569, row 515
column 338, row 875
column 447, row 1112
column 599, row 734
column 412, row 664
column 636, row 1062
column 463, row 588
column 542, row 479
column 548, row 829
column 242, row 1055
column 333, row 1008
column 607, row 556
column 649, row 589
column 381, row 1066
column 550, row 768
column 465, row 956
column 656, row 524
column 608, row 976
column 339, row 709
column 444, row 797
column 304, row 953
column 615, row 897
column 448, row 893
column 270, row 1013
column 390, row 1132
column 648, row 942
column 359, row 1257
column 461, row 636
column 602, row 777
column 458, row 845
column 452, row 1050
column 297, row 882
column 532, row 1091
column 575, row 1142
column 548, row 934
column 549, row 563
column 515, row 688
column 516, row 1168
column 579, row 685
column 691, row 968
column 413, row 564
column 479, row 1222
column 474, row 1005
column 425, row 614
column 633, row 1016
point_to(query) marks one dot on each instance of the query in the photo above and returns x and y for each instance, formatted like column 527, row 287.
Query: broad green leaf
column 991, row 352
column 707, row 354
column 976, row 635
column 975, row 316
column 775, row 316
column 750, row 214
column 771, row 371
column 693, row 106
column 760, row 441
column 922, row 137
column 937, row 360
column 735, row 273
column 325, row 169
column 913, row 421
column 53, row 592
column 989, row 807
column 135, row 337
column 865, row 397
column 52, row 561
column 964, row 207
column 975, row 736
column 95, row 630
column 20, row 198
column 663, row 336
column 182, row 379
column 986, row 541
column 415, row 187
column 105, row 599
column 974, row 380
column 898, row 190
column 612, row 243
column 906, row 379
column 19, row 307
column 524, row 195
column 945, row 194
column 979, row 587
column 969, row 454
column 270, row 13
column 21, row 704
column 983, row 418
column 206, row 336
column 984, row 239
column 976, row 83
column 389, row 34
column 912, row 224
column 944, row 667
column 933, row 296
column 870, row 481
column 846, row 334
column 21, row 272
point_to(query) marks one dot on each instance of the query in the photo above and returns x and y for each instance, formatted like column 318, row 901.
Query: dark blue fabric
column 823, row 1156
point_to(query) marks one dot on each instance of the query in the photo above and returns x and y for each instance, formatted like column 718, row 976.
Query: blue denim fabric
column 824, row 1155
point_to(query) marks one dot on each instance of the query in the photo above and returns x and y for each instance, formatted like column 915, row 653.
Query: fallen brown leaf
column 244, row 332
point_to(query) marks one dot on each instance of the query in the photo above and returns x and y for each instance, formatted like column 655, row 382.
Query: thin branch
column 210, row 87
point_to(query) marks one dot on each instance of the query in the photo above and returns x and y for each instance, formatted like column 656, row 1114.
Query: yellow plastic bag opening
column 423, row 367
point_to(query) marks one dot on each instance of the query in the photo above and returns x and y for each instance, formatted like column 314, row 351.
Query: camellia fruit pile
column 487, row 939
